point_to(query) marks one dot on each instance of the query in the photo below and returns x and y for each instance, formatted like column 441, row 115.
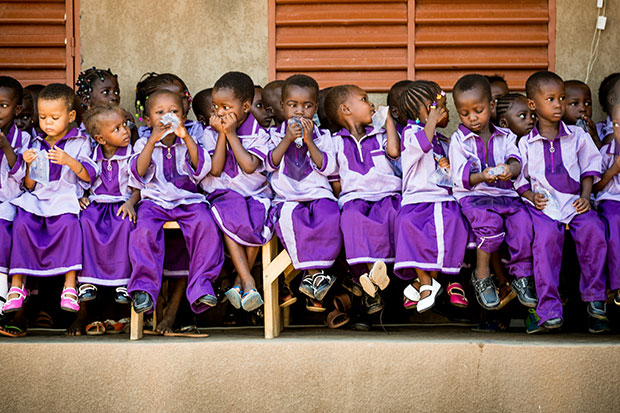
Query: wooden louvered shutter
column 38, row 41
column 376, row 43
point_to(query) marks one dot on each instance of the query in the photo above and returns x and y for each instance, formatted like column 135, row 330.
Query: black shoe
column 552, row 323
column 121, row 296
column 598, row 326
column 486, row 292
column 306, row 286
column 524, row 287
column 87, row 292
column 321, row 284
column 142, row 301
column 598, row 309
column 372, row 304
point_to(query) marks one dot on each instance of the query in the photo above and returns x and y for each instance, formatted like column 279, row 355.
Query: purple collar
column 370, row 131
column 249, row 126
column 534, row 135
column 469, row 134
column 121, row 152
column 73, row 133
column 614, row 148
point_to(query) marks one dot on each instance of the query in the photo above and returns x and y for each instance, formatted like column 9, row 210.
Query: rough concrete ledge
column 314, row 370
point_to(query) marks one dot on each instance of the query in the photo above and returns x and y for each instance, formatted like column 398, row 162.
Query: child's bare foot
column 77, row 327
column 165, row 325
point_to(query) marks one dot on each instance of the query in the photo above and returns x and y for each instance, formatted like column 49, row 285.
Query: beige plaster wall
column 199, row 40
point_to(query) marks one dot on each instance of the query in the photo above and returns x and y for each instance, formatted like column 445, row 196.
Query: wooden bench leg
column 270, row 290
column 136, row 326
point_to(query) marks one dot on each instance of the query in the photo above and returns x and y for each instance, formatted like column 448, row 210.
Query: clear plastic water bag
column 379, row 118
column 40, row 168
column 552, row 209
column 497, row 170
column 299, row 141
column 170, row 119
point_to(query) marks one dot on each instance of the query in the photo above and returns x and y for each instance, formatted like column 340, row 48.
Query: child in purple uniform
column 484, row 161
column 202, row 105
column 13, row 141
column 560, row 164
column 50, row 241
column 305, row 210
column 370, row 191
column 579, row 108
column 167, row 168
column 237, row 186
column 258, row 108
column 514, row 114
column 272, row 100
column 608, row 97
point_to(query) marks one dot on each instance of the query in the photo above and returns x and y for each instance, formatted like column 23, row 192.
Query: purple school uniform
column 305, row 211
column 558, row 166
column 494, row 210
column 240, row 202
column 169, row 192
column 50, row 241
column 608, row 206
column 605, row 128
column 370, row 196
column 431, row 233
column 10, row 188
column 105, row 236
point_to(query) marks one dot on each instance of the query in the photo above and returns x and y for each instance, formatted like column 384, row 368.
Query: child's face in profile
column 519, row 118
column 360, row 106
column 105, row 92
column 55, row 117
column 272, row 100
column 578, row 103
column 24, row 118
column 474, row 109
column 299, row 102
column 549, row 101
column 615, row 121
column 8, row 108
column 162, row 104
column 114, row 130
column 258, row 109
column 225, row 102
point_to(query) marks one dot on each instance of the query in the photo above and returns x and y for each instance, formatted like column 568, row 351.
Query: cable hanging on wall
column 601, row 20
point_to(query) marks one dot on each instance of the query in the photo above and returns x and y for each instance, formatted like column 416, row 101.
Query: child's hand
column 29, row 156
column 127, row 210
column 159, row 130
column 216, row 123
column 58, row 156
column 181, row 131
column 443, row 162
column 229, row 123
column 506, row 175
column 582, row 205
column 591, row 125
column 84, row 202
column 3, row 140
column 488, row 178
column 293, row 131
column 308, row 127
column 436, row 114
column 540, row 201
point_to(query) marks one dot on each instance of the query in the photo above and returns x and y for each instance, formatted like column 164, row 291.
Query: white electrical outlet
column 600, row 23
column 599, row 4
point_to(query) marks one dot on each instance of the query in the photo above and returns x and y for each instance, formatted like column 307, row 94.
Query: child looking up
column 514, row 114
column 167, row 169
column 202, row 105
column 305, row 210
column 258, row 108
column 579, row 108
column 608, row 97
column 272, row 100
column 370, row 196
column 560, row 164
column 50, row 241
column 237, row 186
column 484, row 160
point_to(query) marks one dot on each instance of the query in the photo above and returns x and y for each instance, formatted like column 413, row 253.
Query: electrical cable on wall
column 601, row 20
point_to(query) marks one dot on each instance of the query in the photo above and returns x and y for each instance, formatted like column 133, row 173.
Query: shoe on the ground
column 526, row 292
column 87, row 292
column 531, row 322
column 321, row 284
column 598, row 326
column 142, row 301
column 486, row 293
column 372, row 304
column 552, row 323
column 598, row 309
column 121, row 296
column 306, row 286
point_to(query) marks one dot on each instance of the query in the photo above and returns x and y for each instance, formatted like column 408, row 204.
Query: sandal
column 314, row 305
column 187, row 331
column 96, row 328
column 116, row 327
column 251, row 300
column 15, row 303
column 336, row 319
column 457, row 295
column 376, row 279
column 12, row 331
column 44, row 320
column 234, row 296
column 69, row 300
column 617, row 298
column 87, row 292
column 508, row 297
column 408, row 304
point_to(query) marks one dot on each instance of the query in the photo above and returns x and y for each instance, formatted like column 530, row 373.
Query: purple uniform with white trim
column 50, row 241
column 431, row 233
column 240, row 202
column 10, row 188
column 494, row 210
column 608, row 206
column 305, row 211
column 169, row 192
column 558, row 166
column 105, row 236
column 370, row 196
column 605, row 128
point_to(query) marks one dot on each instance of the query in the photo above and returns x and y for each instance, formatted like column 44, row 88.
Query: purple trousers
column 203, row 240
column 5, row 241
column 589, row 234
column 497, row 219
column 609, row 211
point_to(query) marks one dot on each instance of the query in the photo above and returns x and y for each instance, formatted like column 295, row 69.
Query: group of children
column 322, row 170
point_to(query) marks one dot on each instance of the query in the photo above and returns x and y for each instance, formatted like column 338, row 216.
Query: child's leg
column 241, row 262
column 519, row 238
column 252, row 254
column 70, row 279
column 170, row 314
column 483, row 267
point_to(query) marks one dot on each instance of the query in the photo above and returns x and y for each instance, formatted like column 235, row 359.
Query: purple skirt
column 105, row 248
column 245, row 220
column 431, row 237
column 309, row 231
column 46, row 246
column 5, row 241
column 368, row 229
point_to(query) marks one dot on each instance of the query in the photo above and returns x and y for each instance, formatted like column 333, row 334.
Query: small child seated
column 560, row 164
column 272, row 100
column 608, row 97
column 202, row 105
column 514, row 114
column 579, row 108
column 484, row 161
column 258, row 108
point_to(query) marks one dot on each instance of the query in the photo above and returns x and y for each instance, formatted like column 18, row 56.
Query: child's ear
column 394, row 112
column 99, row 139
column 202, row 119
column 18, row 110
column 247, row 105
column 344, row 108
column 531, row 104
column 72, row 116
column 503, row 123
column 492, row 106
column 84, row 101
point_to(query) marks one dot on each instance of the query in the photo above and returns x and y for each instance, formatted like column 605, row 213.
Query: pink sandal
column 457, row 295
column 69, row 300
column 15, row 303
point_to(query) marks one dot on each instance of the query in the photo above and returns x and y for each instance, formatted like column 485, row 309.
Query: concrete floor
column 314, row 369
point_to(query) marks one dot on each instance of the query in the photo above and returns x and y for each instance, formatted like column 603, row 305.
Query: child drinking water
column 431, row 234
column 579, row 108
column 370, row 191
column 484, row 160
column 13, row 141
column 560, row 163
column 514, row 114
column 305, row 210
column 237, row 186
column 50, row 241
column 608, row 97
column 167, row 169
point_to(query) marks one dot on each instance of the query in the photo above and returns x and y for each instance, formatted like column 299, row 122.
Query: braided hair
column 417, row 95
column 87, row 78
column 505, row 102
column 152, row 81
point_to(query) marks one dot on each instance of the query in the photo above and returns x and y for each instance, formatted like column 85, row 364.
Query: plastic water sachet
column 170, row 119
column 379, row 117
column 497, row 170
column 441, row 176
column 299, row 141
column 583, row 125
column 552, row 209
column 40, row 168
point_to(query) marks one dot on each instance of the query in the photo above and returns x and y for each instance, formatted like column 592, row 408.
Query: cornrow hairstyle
column 13, row 84
column 152, row 81
column 92, row 117
column 473, row 81
column 335, row 97
column 505, row 103
column 417, row 95
column 55, row 91
column 303, row 81
column 147, row 105
column 539, row 78
column 603, row 91
column 241, row 85
column 86, row 79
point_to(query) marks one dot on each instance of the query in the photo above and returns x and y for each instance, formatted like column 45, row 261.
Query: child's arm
column 9, row 153
column 522, row 185
column 393, row 140
column 144, row 159
column 247, row 161
column 539, row 200
column 292, row 132
column 590, row 163
column 315, row 153
column 583, row 203
column 592, row 131
column 128, row 208
column 192, row 147
column 59, row 157
column 218, row 159
column 29, row 156
column 608, row 175
column 434, row 116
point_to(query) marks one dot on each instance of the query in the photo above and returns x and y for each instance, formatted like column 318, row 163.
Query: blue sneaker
column 87, row 292
column 486, row 292
column 553, row 323
column 142, row 301
column 598, row 326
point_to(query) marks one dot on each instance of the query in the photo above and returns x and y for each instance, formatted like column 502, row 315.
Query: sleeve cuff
column 134, row 171
column 188, row 161
column 18, row 164
column 258, row 153
column 466, row 173
column 270, row 163
column 513, row 156
column 596, row 174
column 423, row 141
column 523, row 189
column 325, row 161
column 92, row 173
column 333, row 178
